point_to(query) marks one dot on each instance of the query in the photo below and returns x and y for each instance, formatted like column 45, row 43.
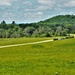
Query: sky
column 28, row 11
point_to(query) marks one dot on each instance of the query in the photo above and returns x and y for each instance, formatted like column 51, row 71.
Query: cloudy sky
column 26, row 11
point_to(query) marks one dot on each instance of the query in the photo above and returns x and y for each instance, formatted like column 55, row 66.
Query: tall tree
column 3, row 25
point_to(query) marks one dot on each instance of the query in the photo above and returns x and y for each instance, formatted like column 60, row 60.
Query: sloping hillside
column 60, row 25
column 60, row 19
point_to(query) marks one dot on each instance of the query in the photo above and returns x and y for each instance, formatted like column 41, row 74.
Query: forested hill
column 60, row 19
column 60, row 25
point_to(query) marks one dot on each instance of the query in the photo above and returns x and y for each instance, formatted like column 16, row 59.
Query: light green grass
column 12, row 41
column 72, row 34
column 39, row 59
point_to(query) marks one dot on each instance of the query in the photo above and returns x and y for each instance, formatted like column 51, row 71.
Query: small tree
column 3, row 25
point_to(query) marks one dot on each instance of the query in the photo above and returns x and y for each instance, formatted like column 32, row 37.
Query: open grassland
column 38, row 59
column 12, row 41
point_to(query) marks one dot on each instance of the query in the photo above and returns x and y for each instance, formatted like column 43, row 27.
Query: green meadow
column 37, row 59
column 12, row 41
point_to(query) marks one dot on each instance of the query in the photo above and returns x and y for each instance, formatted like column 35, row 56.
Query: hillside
column 60, row 25
column 60, row 19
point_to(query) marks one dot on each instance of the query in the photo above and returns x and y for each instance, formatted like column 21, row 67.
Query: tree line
column 56, row 26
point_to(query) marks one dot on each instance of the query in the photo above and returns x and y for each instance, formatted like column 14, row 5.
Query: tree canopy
column 60, row 25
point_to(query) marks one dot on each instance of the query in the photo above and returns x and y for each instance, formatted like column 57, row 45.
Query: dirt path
column 25, row 44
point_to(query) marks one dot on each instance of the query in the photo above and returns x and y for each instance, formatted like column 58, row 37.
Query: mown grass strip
column 26, row 44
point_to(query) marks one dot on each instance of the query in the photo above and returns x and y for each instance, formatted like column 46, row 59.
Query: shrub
column 68, row 37
column 55, row 39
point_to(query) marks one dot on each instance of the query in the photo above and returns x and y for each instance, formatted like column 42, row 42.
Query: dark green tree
column 3, row 25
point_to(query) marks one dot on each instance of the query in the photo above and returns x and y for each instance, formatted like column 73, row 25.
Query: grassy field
column 39, row 59
column 12, row 41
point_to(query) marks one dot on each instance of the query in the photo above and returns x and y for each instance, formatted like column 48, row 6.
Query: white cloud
column 42, row 7
column 38, row 8
column 27, row 3
column 31, row 10
column 70, row 4
column 39, row 13
column 8, row 15
column 65, row 12
column 46, row 2
column 35, row 15
column 6, row 2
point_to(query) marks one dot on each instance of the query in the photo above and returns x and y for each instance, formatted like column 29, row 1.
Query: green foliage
column 60, row 20
column 28, row 31
column 3, row 25
column 60, row 25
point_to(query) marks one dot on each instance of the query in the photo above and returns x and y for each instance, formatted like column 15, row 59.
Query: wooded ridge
column 60, row 25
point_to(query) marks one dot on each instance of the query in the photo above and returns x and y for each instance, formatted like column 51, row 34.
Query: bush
column 55, row 39
column 68, row 37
